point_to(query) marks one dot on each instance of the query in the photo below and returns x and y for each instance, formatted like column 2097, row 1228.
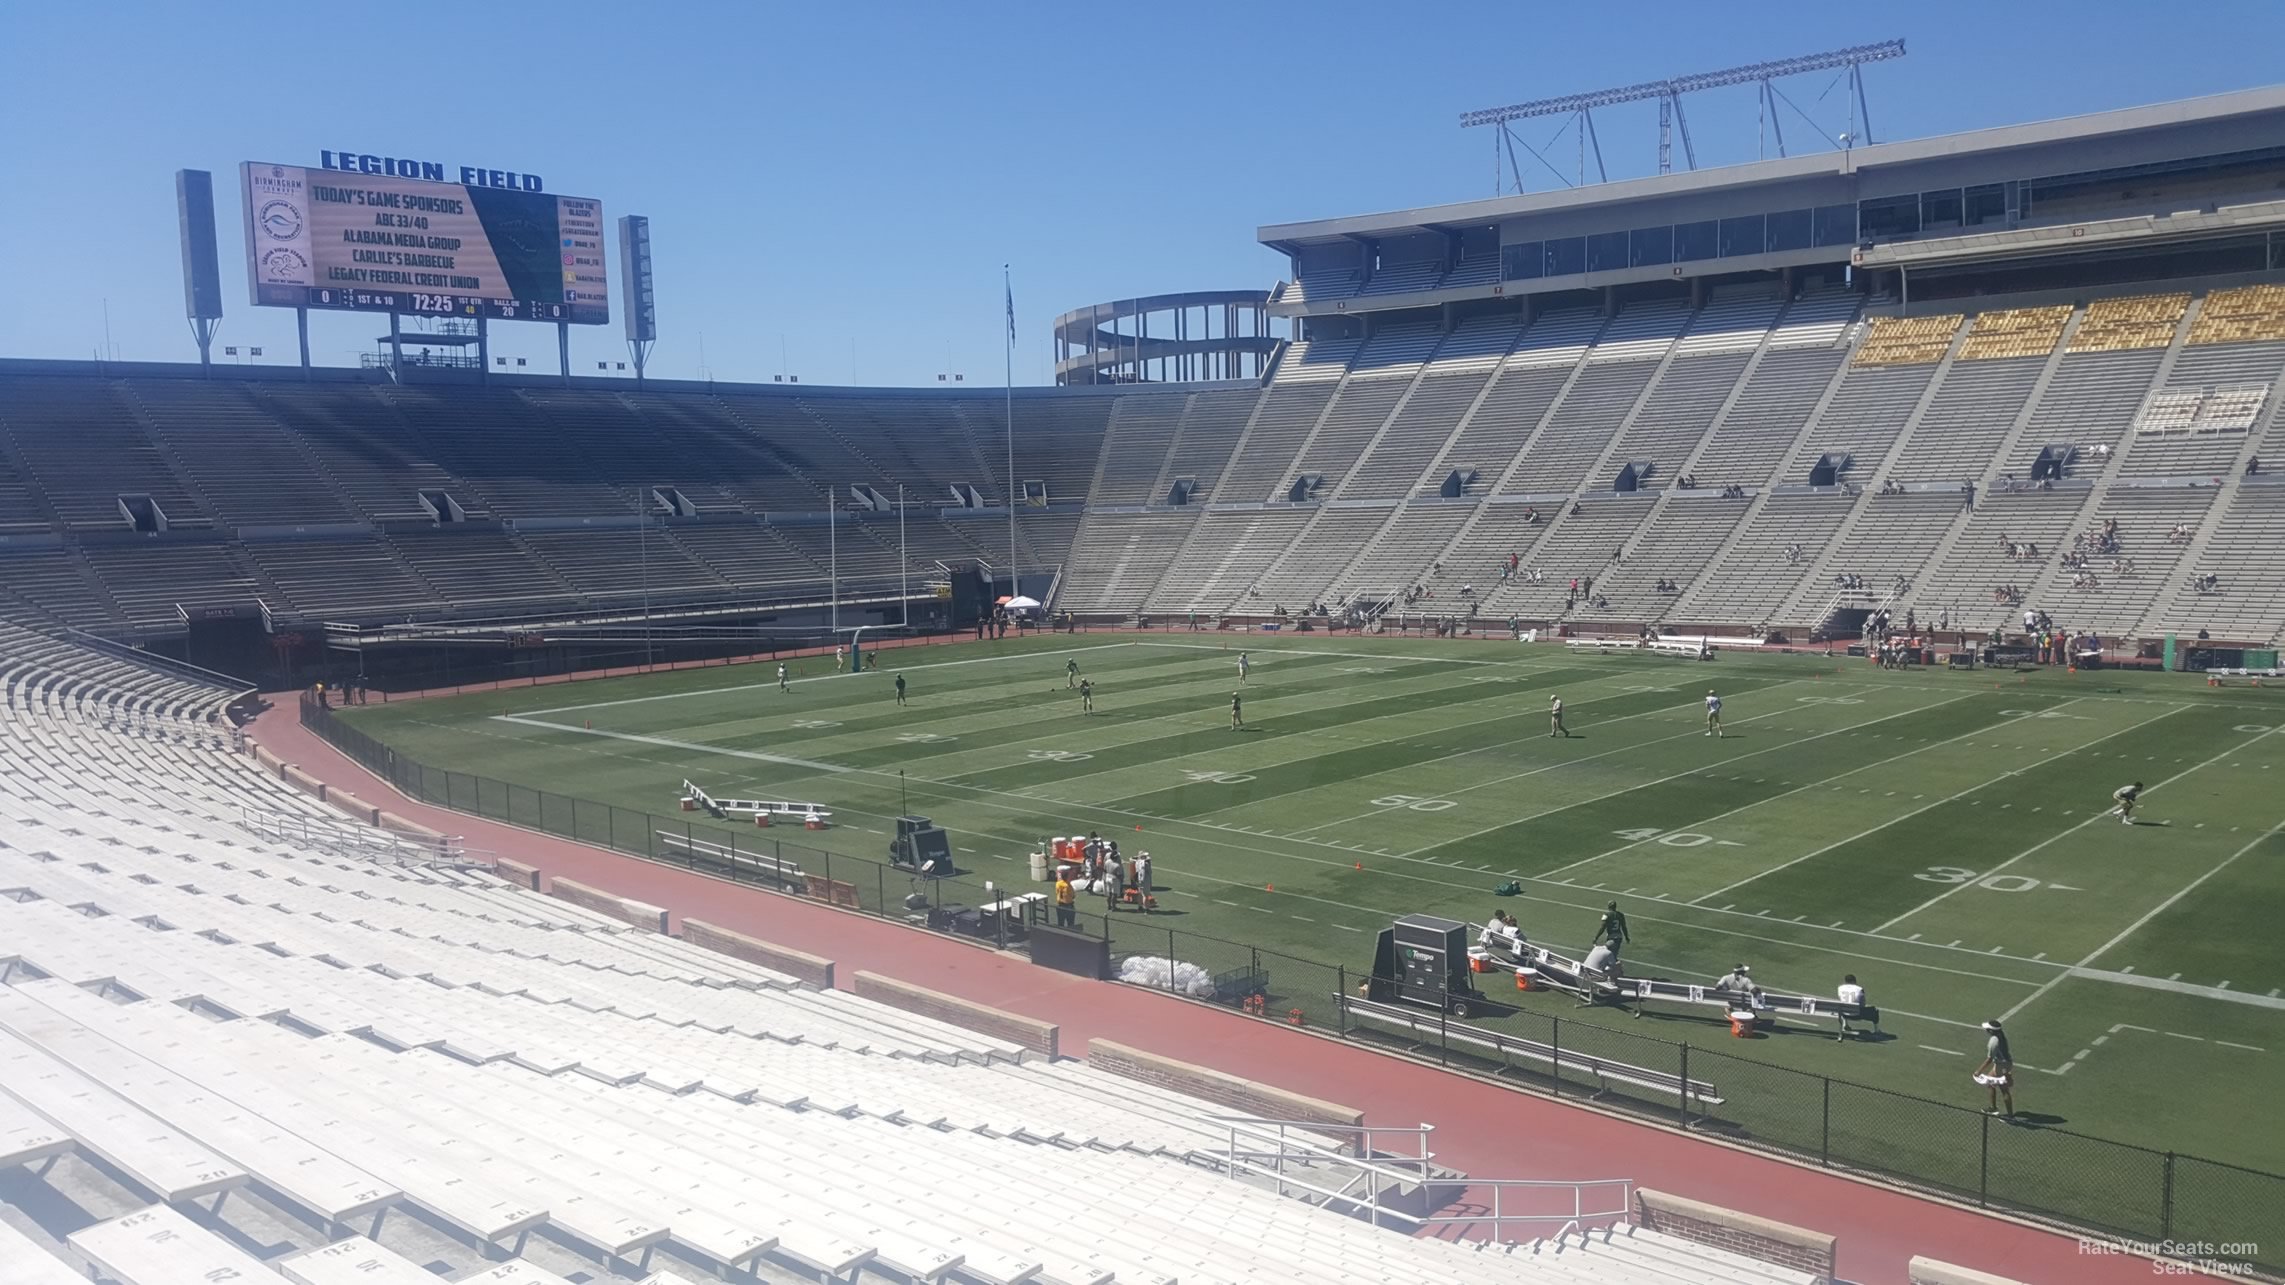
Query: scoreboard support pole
column 483, row 349
column 396, row 346
column 563, row 350
column 301, row 327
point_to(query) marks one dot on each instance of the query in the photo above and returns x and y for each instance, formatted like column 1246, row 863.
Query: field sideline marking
column 670, row 743
column 818, row 678
column 2061, row 834
column 1864, row 834
column 2080, row 969
column 1676, row 776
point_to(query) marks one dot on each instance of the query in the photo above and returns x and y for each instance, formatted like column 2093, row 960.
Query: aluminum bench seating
column 24, row 1262
column 185, row 1042
column 310, row 1176
column 358, row 1261
column 155, row 1155
column 158, row 1246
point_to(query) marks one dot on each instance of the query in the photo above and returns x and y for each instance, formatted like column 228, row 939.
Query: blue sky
column 833, row 188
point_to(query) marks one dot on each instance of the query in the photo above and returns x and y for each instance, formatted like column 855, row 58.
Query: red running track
column 1484, row 1129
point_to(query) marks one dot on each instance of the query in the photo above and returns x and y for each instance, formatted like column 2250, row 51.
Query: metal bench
column 1430, row 1027
column 735, row 861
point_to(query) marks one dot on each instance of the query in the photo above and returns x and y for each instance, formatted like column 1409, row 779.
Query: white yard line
column 2081, row 968
column 756, row 755
column 1949, row 798
column 2099, row 815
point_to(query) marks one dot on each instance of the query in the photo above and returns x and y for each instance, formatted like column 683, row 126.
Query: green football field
column 1946, row 836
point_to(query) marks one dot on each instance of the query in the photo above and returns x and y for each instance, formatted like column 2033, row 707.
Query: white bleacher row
column 557, row 1095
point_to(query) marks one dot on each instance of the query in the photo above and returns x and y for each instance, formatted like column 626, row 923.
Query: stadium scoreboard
column 320, row 238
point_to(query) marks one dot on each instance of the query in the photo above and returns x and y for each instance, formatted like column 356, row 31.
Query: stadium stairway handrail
column 1381, row 1174
column 229, row 689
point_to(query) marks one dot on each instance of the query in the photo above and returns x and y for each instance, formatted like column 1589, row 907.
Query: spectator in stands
column 2252, row 466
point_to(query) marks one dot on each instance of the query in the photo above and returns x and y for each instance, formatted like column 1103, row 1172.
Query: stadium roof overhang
column 2219, row 122
column 2077, row 238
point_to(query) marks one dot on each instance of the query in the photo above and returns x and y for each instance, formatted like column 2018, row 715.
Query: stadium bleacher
column 355, row 501
column 388, row 1062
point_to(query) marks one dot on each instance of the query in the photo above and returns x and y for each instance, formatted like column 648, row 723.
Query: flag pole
column 1015, row 581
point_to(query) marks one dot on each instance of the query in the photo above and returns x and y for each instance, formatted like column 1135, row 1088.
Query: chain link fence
column 2157, row 1200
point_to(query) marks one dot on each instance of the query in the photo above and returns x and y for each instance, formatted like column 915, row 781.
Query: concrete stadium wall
column 519, row 874
column 1929, row 1271
column 806, row 967
column 640, row 914
column 1244, row 1096
column 1039, row 1037
column 1761, row 1238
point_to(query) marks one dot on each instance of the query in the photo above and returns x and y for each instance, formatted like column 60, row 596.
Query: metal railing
column 1374, row 1177
column 2035, row 1169
column 347, row 838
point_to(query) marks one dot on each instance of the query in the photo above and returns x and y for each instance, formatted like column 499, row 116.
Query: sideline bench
column 1430, row 1027
column 777, row 869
